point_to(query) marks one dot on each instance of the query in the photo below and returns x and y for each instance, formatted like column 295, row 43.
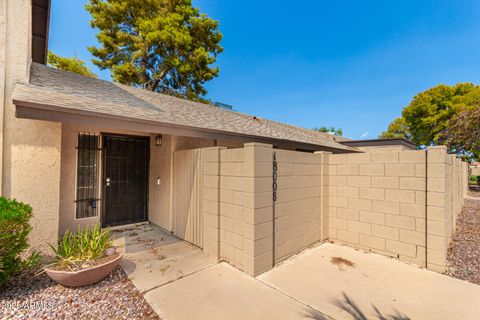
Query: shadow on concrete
column 348, row 305
column 314, row 314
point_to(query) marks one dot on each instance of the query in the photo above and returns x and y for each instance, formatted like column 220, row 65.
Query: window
column 87, row 176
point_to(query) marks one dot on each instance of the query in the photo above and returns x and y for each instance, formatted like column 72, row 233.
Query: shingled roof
column 68, row 92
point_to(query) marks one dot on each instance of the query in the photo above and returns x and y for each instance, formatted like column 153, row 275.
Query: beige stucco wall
column 159, row 195
column 31, row 149
column 161, row 165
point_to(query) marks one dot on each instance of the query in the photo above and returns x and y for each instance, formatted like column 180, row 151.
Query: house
column 245, row 189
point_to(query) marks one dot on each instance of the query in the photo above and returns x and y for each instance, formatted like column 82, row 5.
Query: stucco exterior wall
column 31, row 149
column 161, row 165
column 159, row 168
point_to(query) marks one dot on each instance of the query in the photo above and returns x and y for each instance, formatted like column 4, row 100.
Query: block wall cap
column 258, row 144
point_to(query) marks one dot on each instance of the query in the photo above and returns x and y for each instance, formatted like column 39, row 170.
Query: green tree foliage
column 330, row 130
column 463, row 135
column 430, row 113
column 165, row 46
column 428, row 118
column 396, row 129
column 73, row 64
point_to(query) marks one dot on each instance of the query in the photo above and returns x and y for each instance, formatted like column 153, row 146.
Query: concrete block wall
column 439, row 210
column 238, row 205
column 446, row 190
column 457, row 194
column 298, row 210
column 324, row 194
column 258, row 208
column 399, row 203
column 465, row 180
column 238, row 190
column 233, row 189
column 211, row 200
column 377, row 202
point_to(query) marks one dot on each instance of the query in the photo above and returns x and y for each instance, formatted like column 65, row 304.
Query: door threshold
column 130, row 225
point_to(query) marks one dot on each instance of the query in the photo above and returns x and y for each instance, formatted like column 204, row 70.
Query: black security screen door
column 125, row 179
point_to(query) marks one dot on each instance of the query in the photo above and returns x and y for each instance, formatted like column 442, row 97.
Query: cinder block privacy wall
column 263, row 205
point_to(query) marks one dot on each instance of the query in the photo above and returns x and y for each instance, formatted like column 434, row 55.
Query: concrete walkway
column 329, row 281
column 154, row 257
column 347, row 284
column 223, row 292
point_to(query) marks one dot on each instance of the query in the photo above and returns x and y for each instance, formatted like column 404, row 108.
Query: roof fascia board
column 32, row 111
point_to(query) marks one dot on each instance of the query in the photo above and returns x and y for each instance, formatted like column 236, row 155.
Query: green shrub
column 84, row 246
column 14, row 231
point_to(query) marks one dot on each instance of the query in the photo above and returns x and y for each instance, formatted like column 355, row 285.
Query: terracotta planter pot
column 83, row 277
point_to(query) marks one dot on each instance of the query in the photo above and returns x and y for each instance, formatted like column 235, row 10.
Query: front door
column 125, row 179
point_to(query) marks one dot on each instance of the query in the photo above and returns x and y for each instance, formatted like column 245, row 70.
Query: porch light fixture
column 158, row 140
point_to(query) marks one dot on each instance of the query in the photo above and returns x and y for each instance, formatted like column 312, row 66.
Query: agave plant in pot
column 83, row 258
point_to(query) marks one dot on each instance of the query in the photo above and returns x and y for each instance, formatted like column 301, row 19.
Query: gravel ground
column 463, row 260
column 39, row 297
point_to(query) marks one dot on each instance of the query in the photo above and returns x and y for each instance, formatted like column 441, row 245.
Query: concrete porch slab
column 154, row 257
column 372, row 285
column 223, row 292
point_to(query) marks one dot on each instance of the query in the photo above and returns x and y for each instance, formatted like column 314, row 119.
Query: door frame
column 104, row 135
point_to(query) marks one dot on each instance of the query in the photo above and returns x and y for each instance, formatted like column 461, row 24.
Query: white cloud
column 364, row 135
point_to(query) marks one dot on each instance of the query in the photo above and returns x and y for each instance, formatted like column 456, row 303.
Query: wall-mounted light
column 158, row 140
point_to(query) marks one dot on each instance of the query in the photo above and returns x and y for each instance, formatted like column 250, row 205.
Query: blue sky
column 349, row 64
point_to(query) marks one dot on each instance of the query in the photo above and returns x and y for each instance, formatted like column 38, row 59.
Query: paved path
column 223, row 292
column 349, row 284
column 154, row 257
column 180, row 281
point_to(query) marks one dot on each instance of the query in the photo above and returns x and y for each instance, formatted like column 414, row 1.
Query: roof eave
column 380, row 142
column 30, row 110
